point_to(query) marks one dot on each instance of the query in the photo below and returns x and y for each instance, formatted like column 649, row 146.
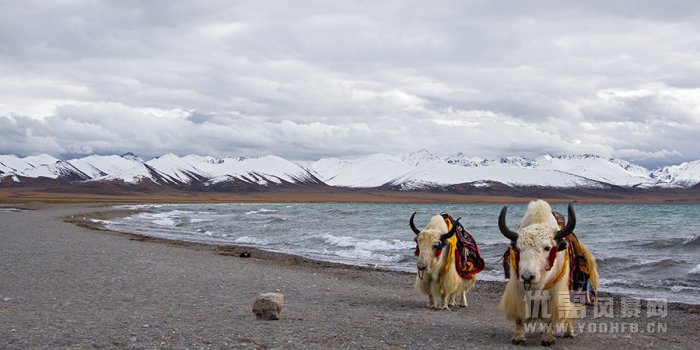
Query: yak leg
column 467, row 285
column 438, row 299
column 569, row 333
column 442, row 298
column 464, row 299
column 453, row 299
column 432, row 300
column 548, row 338
column 445, row 301
column 519, row 335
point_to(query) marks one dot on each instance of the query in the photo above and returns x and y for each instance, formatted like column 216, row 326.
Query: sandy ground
column 67, row 286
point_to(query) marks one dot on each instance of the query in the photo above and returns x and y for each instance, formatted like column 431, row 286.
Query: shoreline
column 73, row 286
column 230, row 249
column 105, row 211
column 9, row 195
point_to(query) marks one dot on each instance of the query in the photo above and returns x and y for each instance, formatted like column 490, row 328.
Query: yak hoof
column 518, row 341
column 569, row 335
column 548, row 342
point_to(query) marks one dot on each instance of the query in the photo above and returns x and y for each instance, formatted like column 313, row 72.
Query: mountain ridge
column 420, row 170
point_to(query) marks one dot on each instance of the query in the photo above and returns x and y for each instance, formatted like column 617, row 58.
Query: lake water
column 648, row 251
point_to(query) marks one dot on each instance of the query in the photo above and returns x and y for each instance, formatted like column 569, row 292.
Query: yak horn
column 570, row 224
column 510, row 234
column 449, row 235
column 413, row 226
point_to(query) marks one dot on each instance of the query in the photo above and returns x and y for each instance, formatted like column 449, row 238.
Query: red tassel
column 551, row 258
column 438, row 252
column 417, row 252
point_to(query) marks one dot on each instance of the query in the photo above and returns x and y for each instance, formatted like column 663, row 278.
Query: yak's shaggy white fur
column 441, row 287
column 520, row 302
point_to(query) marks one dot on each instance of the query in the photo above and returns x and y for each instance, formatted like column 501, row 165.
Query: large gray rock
column 268, row 306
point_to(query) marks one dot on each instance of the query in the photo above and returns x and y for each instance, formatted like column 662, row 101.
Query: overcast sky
column 312, row 79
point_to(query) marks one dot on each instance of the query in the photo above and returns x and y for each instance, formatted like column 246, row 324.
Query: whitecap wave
column 261, row 211
column 167, row 218
column 695, row 270
column 164, row 222
column 10, row 209
column 340, row 241
column 678, row 289
column 250, row 240
column 369, row 245
column 692, row 241
column 367, row 256
column 140, row 206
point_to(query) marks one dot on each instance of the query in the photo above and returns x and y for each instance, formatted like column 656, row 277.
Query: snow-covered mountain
column 169, row 169
column 682, row 175
column 262, row 171
column 417, row 170
column 423, row 169
column 127, row 168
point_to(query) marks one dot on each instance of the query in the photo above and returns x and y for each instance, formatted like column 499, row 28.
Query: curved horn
column 510, row 234
column 413, row 226
column 570, row 224
column 449, row 235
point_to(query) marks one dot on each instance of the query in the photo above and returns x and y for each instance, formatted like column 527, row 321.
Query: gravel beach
column 63, row 285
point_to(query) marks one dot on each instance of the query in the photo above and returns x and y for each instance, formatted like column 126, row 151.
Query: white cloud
column 312, row 79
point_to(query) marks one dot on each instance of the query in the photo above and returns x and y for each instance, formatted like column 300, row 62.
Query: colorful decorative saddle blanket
column 467, row 256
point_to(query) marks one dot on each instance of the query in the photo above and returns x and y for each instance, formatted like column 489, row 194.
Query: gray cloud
column 313, row 79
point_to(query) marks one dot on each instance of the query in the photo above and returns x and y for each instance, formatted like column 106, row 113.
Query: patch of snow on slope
column 178, row 170
column 128, row 168
column 256, row 170
column 596, row 168
column 32, row 166
column 368, row 171
column 683, row 175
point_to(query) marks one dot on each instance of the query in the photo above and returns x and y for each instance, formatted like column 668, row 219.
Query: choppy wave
column 662, row 263
column 164, row 222
column 614, row 260
column 368, row 245
column 261, row 211
column 695, row 270
column 693, row 241
column 678, row 289
column 10, row 209
column 251, row 240
column 366, row 255
column 140, row 206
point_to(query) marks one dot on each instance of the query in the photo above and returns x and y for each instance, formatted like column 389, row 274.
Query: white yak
column 440, row 282
column 538, row 289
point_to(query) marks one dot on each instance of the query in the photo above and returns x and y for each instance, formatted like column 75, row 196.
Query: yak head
column 537, row 242
column 432, row 245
